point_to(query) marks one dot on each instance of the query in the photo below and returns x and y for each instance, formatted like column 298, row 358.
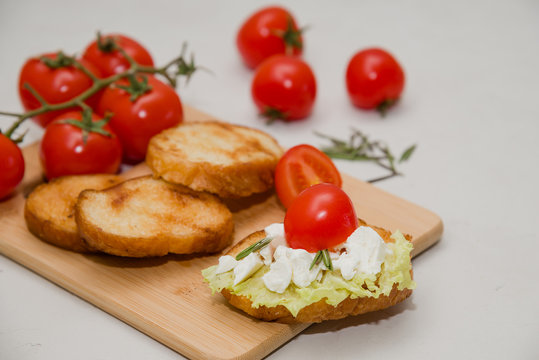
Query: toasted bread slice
column 149, row 217
column 224, row 159
column 320, row 310
column 50, row 209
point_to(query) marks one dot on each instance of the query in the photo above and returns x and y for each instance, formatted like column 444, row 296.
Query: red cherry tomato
column 55, row 85
column 374, row 79
column 11, row 166
column 110, row 61
column 320, row 218
column 135, row 122
column 63, row 150
column 284, row 87
column 301, row 167
column 268, row 32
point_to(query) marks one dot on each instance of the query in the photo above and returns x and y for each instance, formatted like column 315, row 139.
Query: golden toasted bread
column 149, row 217
column 50, row 209
column 320, row 310
column 224, row 159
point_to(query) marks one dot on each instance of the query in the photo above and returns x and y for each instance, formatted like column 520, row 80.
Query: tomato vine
column 171, row 71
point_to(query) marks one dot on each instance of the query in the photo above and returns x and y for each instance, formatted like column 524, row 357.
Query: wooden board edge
column 431, row 238
column 272, row 344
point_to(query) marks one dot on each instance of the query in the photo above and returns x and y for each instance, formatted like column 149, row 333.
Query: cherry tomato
column 64, row 151
column 110, row 61
column 268, row 32
column 300, row 167
column 321, row 217
column 374, row 79
column 11, row 166
column 284, row 87
column 55, row 85
column 135, row 121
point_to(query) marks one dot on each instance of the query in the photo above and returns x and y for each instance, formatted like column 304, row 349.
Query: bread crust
column 320, row 310
column 49, row 209
column 228, row 160
column 145, row 217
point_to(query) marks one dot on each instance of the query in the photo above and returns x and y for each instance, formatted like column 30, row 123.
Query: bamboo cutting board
column 166, row 297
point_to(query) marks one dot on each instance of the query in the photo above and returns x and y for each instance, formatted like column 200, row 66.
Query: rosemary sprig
column 359, row 147
column 327, row 259
column 316, row 260
column 322, row 255
column 255, row 247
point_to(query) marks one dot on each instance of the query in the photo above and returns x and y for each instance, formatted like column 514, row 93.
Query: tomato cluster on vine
column 97, row 110
column 284, row 85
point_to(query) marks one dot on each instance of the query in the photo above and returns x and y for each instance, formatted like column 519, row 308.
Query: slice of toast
column 145, row 217
column 320, row 310
column 224, row 159
column 50, row 209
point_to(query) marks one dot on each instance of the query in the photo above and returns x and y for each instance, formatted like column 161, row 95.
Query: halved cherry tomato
column 268, row 32
column 284, row 87
column 65, row 151
column 136, row 118
column 374, row 79
column 11, row 166
column 320, row 218
column 55, row 85
column 103, row 54
column 301, row 167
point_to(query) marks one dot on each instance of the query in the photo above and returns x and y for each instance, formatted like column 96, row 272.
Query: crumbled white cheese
column 267, row 254
column 291, row 265
column 278, row 277
column 301, row 261
column 247, row 267
column 364, row 251
column 276, row 233
column 226, row 263
column 281, row 252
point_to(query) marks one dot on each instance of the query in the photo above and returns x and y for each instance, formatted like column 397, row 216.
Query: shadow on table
column 368, row 318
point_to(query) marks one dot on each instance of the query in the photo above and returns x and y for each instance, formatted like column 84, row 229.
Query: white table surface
column 470, row 103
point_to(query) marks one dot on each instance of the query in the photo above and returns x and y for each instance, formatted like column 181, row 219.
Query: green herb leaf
column 322, row 256
column 407, row 153
column 316, row 260
column 327, row 259
column 253, row 248
column 390, row 158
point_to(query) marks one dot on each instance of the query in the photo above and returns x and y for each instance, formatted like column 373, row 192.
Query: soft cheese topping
column 364, row 251
column 247, row 267
column 226, row 263
column 279, row 275
column 276, row 231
